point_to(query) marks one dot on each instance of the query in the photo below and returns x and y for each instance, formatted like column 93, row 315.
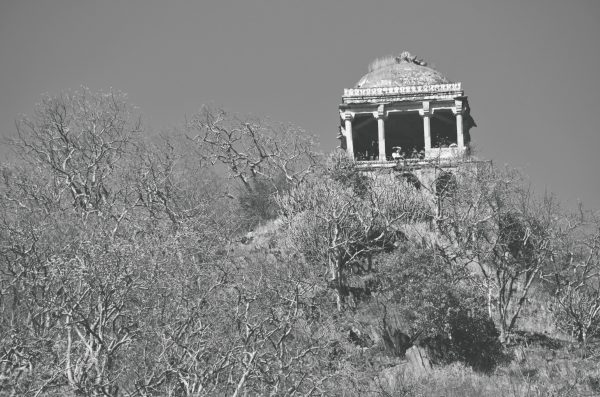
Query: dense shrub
column 436, row 310
column 341, row 169
column 473, row 337
column 257, row 200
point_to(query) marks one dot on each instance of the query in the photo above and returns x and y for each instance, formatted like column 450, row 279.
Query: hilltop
column 231, row 258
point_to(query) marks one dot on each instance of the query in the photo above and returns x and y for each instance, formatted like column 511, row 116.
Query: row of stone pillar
column 381, row 115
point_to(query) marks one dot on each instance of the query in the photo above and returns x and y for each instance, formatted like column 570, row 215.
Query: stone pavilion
column 403, row 110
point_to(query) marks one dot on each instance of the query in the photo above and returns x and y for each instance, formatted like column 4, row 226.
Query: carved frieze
column 383, row 91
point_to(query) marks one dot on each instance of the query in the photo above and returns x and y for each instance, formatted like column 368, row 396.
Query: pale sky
column 531, row 68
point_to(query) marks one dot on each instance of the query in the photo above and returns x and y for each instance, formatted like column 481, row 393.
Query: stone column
column 426, row 113
column 380, row 115
column 458, row 111
column 347, row 116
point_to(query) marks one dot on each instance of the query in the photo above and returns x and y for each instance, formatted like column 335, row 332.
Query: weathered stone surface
column 395, row 341
column 394, row 379
column 417, row 361
column 401, row 71
column 390, row 379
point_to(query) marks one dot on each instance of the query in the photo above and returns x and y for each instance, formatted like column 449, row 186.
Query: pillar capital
column 426, row 111
column 380, row 113
column 347, row 116
column 458, row 107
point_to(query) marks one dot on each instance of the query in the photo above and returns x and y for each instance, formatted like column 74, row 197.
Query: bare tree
column 336, row 223
column 575, row 274
column 73, row 223
column 493, row 220
column 114, row 270
column 79, row 138
column 251, row 147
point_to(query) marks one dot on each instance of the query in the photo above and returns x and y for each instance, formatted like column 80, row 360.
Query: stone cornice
column 416, row 105
column 408, row 90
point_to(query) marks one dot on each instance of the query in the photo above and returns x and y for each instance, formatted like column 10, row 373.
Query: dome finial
column 404, row 57
column 407, row 57
column 400, row 71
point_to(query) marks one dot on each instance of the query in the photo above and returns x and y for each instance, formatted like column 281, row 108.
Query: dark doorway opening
column 366, row 144
column 443, row 129
column 405, row 131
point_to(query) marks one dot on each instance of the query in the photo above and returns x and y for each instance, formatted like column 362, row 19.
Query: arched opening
column 409, row 178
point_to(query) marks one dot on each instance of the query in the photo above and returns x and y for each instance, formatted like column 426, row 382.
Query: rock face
column 396, row 342
column 394, row 379
column 417, row 361
column 390, row 379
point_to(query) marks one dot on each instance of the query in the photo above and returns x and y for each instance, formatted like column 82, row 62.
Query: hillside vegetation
column 230, row 258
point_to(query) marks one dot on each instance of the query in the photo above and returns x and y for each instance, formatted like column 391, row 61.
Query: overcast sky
column 531, row 68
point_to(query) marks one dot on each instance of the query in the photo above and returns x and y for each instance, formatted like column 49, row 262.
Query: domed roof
column 400, row 71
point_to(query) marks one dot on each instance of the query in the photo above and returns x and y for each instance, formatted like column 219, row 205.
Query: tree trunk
column 489, row 300
column 335, row 268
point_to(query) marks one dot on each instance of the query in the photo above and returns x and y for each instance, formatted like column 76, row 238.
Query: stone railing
column 381, row 91
column 445, row 153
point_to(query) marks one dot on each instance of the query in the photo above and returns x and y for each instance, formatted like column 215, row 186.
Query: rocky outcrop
column 396, row 380
column 417, row 361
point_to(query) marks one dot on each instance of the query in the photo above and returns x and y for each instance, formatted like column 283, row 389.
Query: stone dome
column 400, row 71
